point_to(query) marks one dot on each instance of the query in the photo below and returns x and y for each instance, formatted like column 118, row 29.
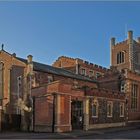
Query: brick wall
column 103, row 96
column 43, row 114
column 8, row 61
column 111, row 80
column 70, row 64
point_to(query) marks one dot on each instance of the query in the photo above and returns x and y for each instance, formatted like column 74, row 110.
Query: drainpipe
column 53, row 121
column 77, row 66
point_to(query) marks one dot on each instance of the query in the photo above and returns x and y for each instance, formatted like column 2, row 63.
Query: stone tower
column 126, row 54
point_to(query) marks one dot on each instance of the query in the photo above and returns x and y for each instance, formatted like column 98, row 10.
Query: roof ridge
column 58, row 71
column 6, row 52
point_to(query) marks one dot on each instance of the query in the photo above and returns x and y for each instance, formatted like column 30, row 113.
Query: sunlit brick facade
column 71, row 94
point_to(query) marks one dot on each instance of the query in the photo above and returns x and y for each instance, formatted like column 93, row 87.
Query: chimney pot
column 14, row 54
column 29, row 58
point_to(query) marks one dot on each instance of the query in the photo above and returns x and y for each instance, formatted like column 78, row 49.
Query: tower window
column 120, row 57
column 91, row 73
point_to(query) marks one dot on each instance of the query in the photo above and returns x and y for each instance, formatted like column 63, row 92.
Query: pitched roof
column 58, row 71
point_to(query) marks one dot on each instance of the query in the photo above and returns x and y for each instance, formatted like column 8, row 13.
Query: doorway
column 77, row 114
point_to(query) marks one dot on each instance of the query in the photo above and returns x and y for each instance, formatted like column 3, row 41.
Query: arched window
column 120, row 57
column 109, row 108
column 95, row 108
column 121, row 109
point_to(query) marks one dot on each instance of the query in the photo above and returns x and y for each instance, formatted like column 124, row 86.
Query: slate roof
column 58, row 71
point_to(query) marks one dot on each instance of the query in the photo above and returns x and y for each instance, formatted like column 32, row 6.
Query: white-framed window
column 120, row 57
column 50, row 79
column 121, row 109
column 109, row 108
column 83, row 71
column 91, row 73
column 98, row 75
column 95, row 109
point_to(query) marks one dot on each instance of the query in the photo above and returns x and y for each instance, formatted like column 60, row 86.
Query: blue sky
column 83, row 29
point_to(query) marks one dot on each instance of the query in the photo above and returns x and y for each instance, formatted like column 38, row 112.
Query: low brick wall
column 43, row 128
column 106, row 125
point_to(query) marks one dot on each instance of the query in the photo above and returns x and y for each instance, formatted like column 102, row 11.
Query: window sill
column 109, row 116
column 94, row 116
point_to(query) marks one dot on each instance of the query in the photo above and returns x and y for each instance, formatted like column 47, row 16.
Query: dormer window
column 83, row 71
column 98, row 75
column 120, row 57
column 91, row 73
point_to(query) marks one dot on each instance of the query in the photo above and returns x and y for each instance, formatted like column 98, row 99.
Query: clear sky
column 83, row 29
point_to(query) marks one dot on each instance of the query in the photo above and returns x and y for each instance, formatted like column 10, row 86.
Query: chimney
column 112, row 41
column 30, row 64
column 14, row 54
column 138, row 39
column 130, row 37
column 29, row 59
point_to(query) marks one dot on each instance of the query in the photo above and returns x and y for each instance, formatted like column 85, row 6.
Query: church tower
column 126, row 54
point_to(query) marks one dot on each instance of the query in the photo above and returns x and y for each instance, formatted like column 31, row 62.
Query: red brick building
column 80, row 67
column 62, row 99
column 71, row 94
column 125, row 56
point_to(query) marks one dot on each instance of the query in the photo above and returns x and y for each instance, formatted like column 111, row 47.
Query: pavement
column 80, row 133
column 75, row 134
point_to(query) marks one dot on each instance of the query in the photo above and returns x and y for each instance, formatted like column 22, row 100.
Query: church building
column 72, row 93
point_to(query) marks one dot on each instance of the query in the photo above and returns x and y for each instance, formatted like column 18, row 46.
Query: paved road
column 131, row 134
column 112, row 133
